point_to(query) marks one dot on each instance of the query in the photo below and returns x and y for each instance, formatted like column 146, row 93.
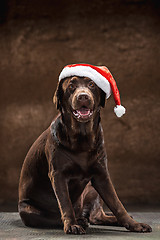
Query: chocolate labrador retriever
column 64, row 178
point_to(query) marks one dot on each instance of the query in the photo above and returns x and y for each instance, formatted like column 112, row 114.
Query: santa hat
column 102, row 78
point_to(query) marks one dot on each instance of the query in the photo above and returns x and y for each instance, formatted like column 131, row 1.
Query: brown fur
column 65, row 176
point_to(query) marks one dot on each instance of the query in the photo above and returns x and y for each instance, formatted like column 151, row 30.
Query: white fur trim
column 85, row 71
column 119, row 110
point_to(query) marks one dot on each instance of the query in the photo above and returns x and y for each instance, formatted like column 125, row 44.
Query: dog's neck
column 78, row 135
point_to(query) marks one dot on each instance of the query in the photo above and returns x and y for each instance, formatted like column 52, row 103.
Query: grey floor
column 11, row 227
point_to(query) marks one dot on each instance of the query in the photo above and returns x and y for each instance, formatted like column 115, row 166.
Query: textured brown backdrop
column 37, row 38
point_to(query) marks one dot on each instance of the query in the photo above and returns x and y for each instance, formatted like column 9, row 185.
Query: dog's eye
column 71, row 86
column 91, row 85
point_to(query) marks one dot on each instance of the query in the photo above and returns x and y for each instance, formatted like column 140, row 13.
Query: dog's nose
column 83, row 97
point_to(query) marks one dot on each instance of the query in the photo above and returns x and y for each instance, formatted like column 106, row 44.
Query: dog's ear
column 58, row 95
column 103, row 98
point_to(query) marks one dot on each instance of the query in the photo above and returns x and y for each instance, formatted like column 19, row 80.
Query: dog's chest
column 81, row 144
column 82, row 165
column 81, row 159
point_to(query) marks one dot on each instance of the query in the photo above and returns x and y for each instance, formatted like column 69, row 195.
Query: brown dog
column 65, row 176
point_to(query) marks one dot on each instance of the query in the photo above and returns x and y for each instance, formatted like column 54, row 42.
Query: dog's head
column 80, row 97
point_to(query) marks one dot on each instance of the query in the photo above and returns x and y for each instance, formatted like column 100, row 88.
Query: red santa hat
column 102, row 78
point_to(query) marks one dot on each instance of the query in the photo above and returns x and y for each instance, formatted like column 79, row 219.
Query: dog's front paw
column 138, row 227
column 73, row 229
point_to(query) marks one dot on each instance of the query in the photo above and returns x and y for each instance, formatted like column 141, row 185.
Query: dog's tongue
column 84, row 111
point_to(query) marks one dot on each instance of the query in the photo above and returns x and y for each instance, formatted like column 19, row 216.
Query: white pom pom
column 119, row 110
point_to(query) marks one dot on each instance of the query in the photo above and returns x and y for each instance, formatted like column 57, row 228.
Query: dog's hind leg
column 93, row 209
column 99, row 217
column 33, row 217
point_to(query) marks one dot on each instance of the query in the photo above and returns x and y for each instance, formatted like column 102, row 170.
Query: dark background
column 37, row 38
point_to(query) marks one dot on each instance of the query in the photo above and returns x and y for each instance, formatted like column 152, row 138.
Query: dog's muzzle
column 82, row 104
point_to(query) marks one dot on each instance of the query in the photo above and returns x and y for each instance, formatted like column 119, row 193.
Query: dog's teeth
column 82, row 113
column 75, row 113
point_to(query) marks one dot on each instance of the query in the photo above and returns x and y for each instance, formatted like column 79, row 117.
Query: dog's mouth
column 83, row 113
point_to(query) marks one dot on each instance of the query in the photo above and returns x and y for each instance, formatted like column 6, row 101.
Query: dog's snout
column 83, row 97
